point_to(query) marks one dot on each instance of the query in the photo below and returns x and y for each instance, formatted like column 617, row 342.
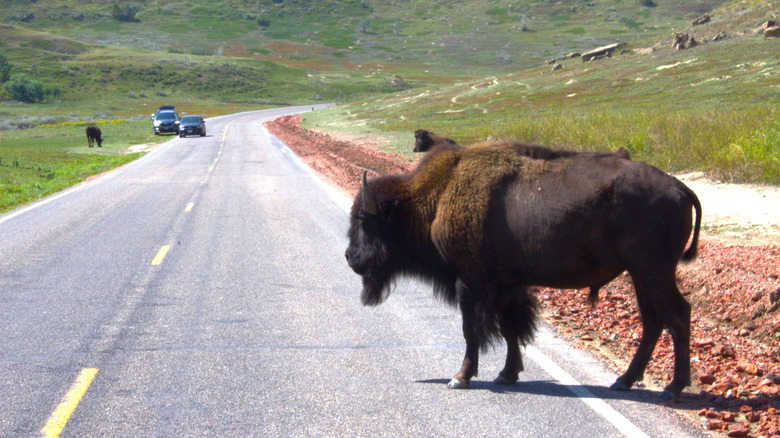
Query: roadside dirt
column 733, row 288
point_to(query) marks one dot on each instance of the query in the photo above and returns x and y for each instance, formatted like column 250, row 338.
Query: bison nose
column 346, row 254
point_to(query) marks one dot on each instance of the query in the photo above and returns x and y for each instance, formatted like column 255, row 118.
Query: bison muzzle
column 484, row 223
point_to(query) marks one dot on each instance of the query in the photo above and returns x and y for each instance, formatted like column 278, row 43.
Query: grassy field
column 469, row 70
column 713, row 108
column 40, row 161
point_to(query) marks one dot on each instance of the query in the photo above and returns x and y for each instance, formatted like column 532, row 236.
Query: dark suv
column 165, row 120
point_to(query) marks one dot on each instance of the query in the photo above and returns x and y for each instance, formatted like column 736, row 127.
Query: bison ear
column 369, row 203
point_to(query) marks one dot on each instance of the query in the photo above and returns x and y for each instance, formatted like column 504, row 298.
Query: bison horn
column 369, row 204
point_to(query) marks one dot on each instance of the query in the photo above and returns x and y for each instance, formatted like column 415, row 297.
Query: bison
column 93, row 135
column 425, row 140
column 485, row 223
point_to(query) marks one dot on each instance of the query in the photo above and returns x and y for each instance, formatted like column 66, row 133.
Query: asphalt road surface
column 202, row 291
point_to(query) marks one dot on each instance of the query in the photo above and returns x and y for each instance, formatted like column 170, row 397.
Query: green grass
column 38, row 162
column 475, row 69
column 712, row 108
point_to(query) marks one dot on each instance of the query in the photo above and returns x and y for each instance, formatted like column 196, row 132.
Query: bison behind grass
column 484, row 223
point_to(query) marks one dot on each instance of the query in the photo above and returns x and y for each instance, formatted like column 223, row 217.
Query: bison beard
column 484, row 223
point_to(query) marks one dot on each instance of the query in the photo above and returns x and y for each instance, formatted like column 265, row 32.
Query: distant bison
column 425, row 140
column 93, row 135
column 484, row 223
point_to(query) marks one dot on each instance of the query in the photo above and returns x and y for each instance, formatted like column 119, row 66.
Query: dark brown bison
column 93, row 135
column 484, row 223
column 426, row 140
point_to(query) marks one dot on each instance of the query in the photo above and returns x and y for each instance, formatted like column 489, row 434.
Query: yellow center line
column 161, row 255
column 59, row 418
column 189, row 207
column 224, row 132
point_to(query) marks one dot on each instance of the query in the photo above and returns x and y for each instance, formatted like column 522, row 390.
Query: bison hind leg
column 593, row 294
column 593, row 297
column 517, row 322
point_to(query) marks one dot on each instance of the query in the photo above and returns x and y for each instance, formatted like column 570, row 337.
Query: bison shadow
column 552, row 388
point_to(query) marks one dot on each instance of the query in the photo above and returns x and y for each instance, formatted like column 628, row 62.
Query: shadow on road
column 552, row 388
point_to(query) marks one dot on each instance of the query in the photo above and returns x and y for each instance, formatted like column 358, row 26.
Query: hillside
column 711, row 107
column 451, row 36
column 470, row 70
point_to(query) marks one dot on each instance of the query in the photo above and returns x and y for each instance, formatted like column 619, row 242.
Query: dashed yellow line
column 161, row 255
column 59, row 418
column 189, row 207
column 224, row 132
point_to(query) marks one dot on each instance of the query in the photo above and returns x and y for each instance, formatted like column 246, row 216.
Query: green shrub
column 24, row 89
column 124, row 12
column 5, row 68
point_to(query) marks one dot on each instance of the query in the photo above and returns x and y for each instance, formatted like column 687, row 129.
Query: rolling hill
column 470, row 69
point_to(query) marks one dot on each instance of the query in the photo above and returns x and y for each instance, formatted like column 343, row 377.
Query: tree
column 5, row 68
column 24, row 89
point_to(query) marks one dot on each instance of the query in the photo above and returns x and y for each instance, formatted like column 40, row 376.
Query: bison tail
column 691, row 252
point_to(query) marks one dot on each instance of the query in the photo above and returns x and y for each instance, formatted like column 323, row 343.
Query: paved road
column 201, row 291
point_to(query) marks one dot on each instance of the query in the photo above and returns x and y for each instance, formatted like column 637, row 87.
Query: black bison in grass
column 484, row 223
column 93, row 135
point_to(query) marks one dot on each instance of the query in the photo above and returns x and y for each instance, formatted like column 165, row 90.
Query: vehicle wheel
column 203, row 134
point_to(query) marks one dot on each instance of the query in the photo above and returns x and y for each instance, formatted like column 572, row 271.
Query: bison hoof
column 458, row 384
column 501, row 380
column 617, row 386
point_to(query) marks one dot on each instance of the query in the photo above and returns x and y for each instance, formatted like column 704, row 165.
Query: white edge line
column 623, row 424
column 342, row 200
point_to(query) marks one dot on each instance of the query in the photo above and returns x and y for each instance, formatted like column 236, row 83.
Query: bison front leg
column 470, row 365
column 513, row 365
column 517, row 323
column 514, row 359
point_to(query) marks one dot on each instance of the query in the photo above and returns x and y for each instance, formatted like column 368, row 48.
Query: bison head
column 426, row 140
column 422, row 140
column 373, row 251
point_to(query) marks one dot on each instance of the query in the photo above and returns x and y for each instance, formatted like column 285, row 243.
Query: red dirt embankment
column 733, row 288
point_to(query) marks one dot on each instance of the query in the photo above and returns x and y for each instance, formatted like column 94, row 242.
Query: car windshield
column 190, row 119
column 167, row 115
